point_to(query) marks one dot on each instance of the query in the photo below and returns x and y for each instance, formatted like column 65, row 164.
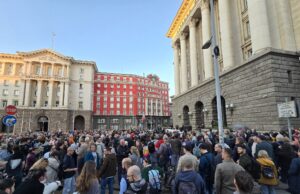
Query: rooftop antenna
column 52, row 40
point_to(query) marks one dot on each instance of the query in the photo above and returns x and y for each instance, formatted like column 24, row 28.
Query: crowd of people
column 149, row 162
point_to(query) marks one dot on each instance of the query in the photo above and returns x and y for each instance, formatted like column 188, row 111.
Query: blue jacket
column 89, row 156
column 206, row 160
column 189, row 176
column 294, row 176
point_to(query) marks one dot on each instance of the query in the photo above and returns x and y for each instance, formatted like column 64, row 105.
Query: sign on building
column 11, row 110
column 287, row 109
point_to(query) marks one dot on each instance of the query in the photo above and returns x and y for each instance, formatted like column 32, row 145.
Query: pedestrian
column 53, row 167
column 135, row 157
column 121, row 152
column 126, row 163
column 243, row 182
column 108, row 170
column 176, row 149
column 69, row 167
column 187, row 150
column 93, row 155
column 87, row 182
column 294, row 175
column 137, row 185
column 218, row 156
column 225, row 172
column 268, row 178
column 187, row 180
column 262, row 144
column 14, row 166
column 7, row 186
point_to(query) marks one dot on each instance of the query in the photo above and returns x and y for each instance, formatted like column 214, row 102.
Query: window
column 124, row 86
column 101, row 121
column 80, row 105
column 111, row 92
column 130, row 86
column 16, row 103
column 111, row 99
column 105, row 85
column 104, row 105
column 124, row 99
column 17, row 83
column 5, row 92
column 105, row 91
column 118, row 105
column 98, row 105
column 33, row 103
column 98, row 85
column 130, row 92
column 5, row 82
column 118, row 99
column 124, row 105
column 111, row 112
column 81, row 94
column 118, row 112
column 49, row 71
column 124, row 93
column 112, row 86
column 4, row 103
column 80, row 86
column 16, row 92
column 98, row 98
column 290, row 78
column 81, row 70
column 118, row 86
column 98, row 91
column 130, row 106
column 56, row 103
column 111, row 105
column 9, row 69
column 118, row 92
column 46, row 104
column 105, row 99
column 131, row 99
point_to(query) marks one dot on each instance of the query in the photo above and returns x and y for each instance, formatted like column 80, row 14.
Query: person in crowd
column 87, row 182
column 7, row 186
column 135, row 156
column 15, row 164
column 4, row 153
column 47, row 154
column 108, row 170
column 53, row 169
column 176, row 149
column 262, row 144
column 126, row 163
column 294, row 175
column 268, row 178
column 30, row 159
column 122, row 152
column 207, row 167
column 137, row 185
column 69, row 168
column 244, row 159
column 243, row 182
column 187, row 150
column 147, row 167
column 81, row 152
column 33, row 184
column 225, row 173
column 93, row 155
column 218, row 156
column 187, row 180
column 100, row 147
column 42, row 163
column 152, row 153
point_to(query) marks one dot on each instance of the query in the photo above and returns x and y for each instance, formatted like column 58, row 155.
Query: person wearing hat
column 188, row 149
column 262, row 144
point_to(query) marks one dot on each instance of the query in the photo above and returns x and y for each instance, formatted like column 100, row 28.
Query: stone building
column 50, row 90
column 259, row 43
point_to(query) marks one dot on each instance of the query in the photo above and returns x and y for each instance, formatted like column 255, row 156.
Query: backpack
column 154, row 181
column 267, row 172
column 196, row 150
column 187, row 188
column 255, row 169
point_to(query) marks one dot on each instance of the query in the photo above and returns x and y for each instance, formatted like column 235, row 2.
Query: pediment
column 45, row 56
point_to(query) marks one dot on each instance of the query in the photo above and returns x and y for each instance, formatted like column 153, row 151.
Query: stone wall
column 254, row 88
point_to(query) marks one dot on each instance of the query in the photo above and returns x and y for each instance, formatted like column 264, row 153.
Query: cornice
column 32, row 53
column 182, row 14
column 10, row 56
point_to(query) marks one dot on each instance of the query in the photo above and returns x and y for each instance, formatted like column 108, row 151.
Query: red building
column 123, row 101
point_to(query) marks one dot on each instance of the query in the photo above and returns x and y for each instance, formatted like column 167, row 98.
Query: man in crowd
column 207, row 167
column 136, row 183
column 69, row 167
column 122, row 152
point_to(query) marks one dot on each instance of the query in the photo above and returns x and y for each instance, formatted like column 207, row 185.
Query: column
column 42, row 69
column 146, row 106
column 52, row 70
column 229, row 34
column 14, row 69
column 63, row 71
column 193, row 52
column 27, row 93
column 176, row 68
column 156, row 107
column 29, row 64
column 50, row 97
column 286, row 28
column 66, row 98
column 183, row 70
column 161, row 108
column 61, row 94
column 152, row 106
column 68, row 71
column 259, row 25
column 39, row 93
column 206, row 35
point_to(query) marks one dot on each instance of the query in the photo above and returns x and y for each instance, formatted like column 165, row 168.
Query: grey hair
column 263, row 154
column 136, row 171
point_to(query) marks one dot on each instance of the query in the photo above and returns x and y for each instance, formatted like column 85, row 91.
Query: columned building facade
column 125, row 101
column 259, row 43
column 50, row 90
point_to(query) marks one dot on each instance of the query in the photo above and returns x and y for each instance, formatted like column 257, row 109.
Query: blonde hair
column 135, row 151
column 263, row 154
column 40, row 164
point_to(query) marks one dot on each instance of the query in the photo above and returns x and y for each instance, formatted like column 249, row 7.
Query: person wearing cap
column 69, row 167
column 264, row 145
column 188, row 149
column 225, row 172
column 206, row 167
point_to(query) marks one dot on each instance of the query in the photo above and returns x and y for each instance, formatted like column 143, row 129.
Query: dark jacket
column 176, row 146
column 205, row 166
column 246, row 162
column 122, row 152
column 109, row 166
column 30, row 187
column 138, row 187
column 294, row 176
column 189, row 176
column 69, row 162
column 265, row 146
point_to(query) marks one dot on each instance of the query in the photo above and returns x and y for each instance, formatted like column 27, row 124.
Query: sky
column 121, row 36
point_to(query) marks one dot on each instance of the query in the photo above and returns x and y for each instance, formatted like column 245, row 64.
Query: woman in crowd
column 87, row 182
column 268, row 178
column 135, row 157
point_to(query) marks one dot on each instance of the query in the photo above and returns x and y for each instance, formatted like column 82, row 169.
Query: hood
column 265, row 161
column 187, row 176
column 139, row 185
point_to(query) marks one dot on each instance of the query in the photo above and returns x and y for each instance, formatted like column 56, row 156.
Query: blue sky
column 124, row 36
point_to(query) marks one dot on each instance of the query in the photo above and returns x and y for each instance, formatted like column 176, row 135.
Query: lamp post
column 212, row 42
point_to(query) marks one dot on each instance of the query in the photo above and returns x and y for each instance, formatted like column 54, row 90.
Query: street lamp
column 212, row 42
